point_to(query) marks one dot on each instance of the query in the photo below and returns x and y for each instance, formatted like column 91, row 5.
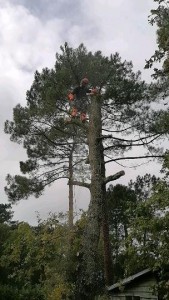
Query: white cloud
column 26, row 41
column 122, row 26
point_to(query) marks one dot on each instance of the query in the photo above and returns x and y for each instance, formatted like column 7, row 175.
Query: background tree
column 6, row 213
column 35, row 259
column 160, row 63
column 38, row 264
column 122, row 203
column 159, row 17
column 149, row 234
column 6, row 225
column 129, row 212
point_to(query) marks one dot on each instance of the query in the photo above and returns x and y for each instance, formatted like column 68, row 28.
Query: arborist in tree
column 79, row 99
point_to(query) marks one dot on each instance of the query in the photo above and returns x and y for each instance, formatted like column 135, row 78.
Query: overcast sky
column 31, row 32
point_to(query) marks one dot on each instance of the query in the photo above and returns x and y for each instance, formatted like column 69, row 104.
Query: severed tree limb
column 84, row 184
column 107, row 179
column 114, row 177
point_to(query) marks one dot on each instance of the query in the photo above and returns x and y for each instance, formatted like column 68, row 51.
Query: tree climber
column 79, row 99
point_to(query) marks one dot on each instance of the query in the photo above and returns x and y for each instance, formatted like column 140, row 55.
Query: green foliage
column 43, row 262
column 21, row 187
column 62, row 291
column 143, row 186
column 160, row 89
column 150, row 235
column 143, row 208
column 159, row 17
column 32, row 255
column 5, row 213
column 135, row 216
column 9, row 293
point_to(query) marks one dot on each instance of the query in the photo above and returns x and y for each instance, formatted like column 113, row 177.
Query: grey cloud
column 72, row 12
column 31, row 34
column 47, row 9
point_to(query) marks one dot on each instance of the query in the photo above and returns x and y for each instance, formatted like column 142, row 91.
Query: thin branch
column 132, row 141
column 132, row 167
column 117, row 131
column 52, row 164
column 108, row 136
column 53, row 180
column 39, row 122
column 135, row 157
column 129, row 145
column 44, row 135
column 54, row 172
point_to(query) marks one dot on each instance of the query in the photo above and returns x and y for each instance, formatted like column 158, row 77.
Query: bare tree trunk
column 108, row 267
column 70, row 213
column 97, row 212
column 92, row 232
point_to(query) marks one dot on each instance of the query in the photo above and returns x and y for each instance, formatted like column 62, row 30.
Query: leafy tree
column 35, row 259
column 149, row 234
column 5, row 231
column 5, row 213
column 129, row 213
column 39, row 263
column 159, row 17
column 160, row 89
column 19, row 263
column 143, row 186
column 121, row 109
column 143, row 208
column 122, row 204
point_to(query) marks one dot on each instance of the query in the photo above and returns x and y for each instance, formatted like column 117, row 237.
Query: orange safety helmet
column 70, row 97
column 85, row 81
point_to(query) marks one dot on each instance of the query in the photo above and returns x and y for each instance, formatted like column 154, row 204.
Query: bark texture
column 97, row 213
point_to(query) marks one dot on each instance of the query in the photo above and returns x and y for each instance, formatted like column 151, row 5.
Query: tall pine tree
column 119, row 120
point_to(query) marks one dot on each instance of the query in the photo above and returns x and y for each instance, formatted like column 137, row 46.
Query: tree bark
column 108, row 267
column 70, row 213
column 92, row 232
column 97, row 213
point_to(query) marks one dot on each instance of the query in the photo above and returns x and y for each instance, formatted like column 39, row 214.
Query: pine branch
column 134, row 157
column 108, row 136
column 117, row 131
column 70, row 64
column 52, row 180
column 132, row 142
column 52, row 164
column 49, row 125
